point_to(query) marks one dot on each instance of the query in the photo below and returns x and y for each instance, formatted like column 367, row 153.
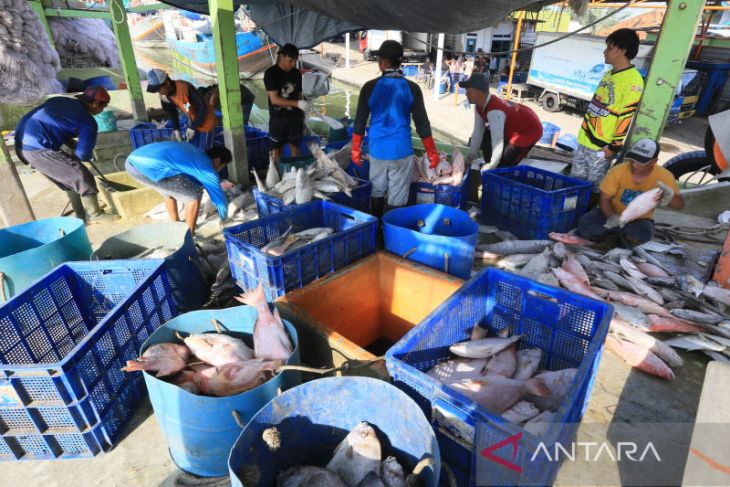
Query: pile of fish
column 241, row 208
column 289, row 241
column 496, row 375
column 216, row 364
column 648, row 297
column 300, row 186
column 356, row 462
column 216, row 271
column 444, row 173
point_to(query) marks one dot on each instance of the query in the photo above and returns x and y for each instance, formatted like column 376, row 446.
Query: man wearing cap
column 637, row 174
column 513, row 128
column 283, row 84
column 41, row 133
column 390, row 101
column 179, row 94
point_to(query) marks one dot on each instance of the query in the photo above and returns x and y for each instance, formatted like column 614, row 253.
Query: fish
column 218, row 349
column 528, row 360
column 371, row 480
column 695, row 342
column 356, row 455
column 697, row 316
column 306, row 476
column 604, row 266
column 639, row 357
column 690, row 285
column 569, row 238
column 643, row 289
column 503, row 363
column 326, row 186
column 664, row 282
column 672, row 325
column 651, row 270
column 457, row 369
column 391, row 473
column 520, row 412
column 498, row 393
column 314, row 231
column 574, row 284
column 632, row 315
column 617, row 253
column 641, row 338
column 559, row 383
column 259, row 185
column 185, row 380
column 458, row 167
column 509, row 247
column 631, row 269
column 277, row 241
column 719, row 356
column 571, row 264
column 485, row 255
column 286, row 245
column 505, row 235
column 641, row 205
column 559, row 250
column 549, row 279
column 163, row 358
column 630, row 299
column 484, row 348
column 272, row 175
column 676, row 304
column 717, row 293
column 304, row 191
column 604, row 283
column 270, row 340
column 537, row 265
column 514, row 261
column 234, row 378
column 644, row 254
column 540, row 424
column 588, row 252
column 478, row 332
column 322, row 235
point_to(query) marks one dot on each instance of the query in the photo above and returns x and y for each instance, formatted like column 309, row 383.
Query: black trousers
column 65, row 171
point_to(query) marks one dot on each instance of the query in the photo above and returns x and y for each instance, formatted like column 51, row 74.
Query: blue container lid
column 567, row 142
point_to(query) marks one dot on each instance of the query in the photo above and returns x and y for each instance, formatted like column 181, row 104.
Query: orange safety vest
column 181, row 99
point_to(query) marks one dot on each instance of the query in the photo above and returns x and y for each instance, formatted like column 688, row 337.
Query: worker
column 637, row 174
column 390, row 101
column 181, row 95
column 41, row 133
column 180, row 171
column 211, row 94
column 283, row 84
column 513, row 128
column 608, row 118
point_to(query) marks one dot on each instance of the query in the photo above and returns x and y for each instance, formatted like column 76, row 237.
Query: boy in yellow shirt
column 624, row 182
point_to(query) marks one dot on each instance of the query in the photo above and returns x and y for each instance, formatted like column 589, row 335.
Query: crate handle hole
column 539, row 295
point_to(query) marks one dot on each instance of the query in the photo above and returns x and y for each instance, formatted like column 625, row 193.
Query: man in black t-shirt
column 286, row 107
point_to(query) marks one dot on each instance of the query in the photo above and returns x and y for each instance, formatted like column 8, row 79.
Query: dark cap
column 94, row 93
column 289, row 50
column 478, row 81
column 390, row 50
column 643, row 151
column 220, row 152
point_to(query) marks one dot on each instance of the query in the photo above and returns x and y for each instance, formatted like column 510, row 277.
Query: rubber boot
column 94, row 214
column 376, row 209
column 76, row 205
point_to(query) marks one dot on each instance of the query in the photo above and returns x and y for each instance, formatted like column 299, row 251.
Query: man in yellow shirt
column 624, row 182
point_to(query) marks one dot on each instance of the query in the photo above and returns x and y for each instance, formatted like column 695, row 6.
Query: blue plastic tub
column 105, row 82
column 354, row 238
column 303, row 146
column 567, row 142
column 29, row 250
column 186, row 281
column 532, row 202
column 445, row 241
column 313, row 418
column 200, row 430
column 359, row 172
column 570, row 330
column 550, row 132
column 63, row 343
column 360, row 200
column 257, row 148
column 442, row 194
column 147, row 133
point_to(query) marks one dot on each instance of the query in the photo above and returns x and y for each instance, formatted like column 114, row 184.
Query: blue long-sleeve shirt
column 56, row 122
column 162, row 160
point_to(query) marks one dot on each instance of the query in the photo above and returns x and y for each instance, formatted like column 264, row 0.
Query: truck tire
column 551, row 102
column 687, row 163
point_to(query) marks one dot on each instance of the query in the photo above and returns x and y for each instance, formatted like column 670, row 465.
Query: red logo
column 513, row 440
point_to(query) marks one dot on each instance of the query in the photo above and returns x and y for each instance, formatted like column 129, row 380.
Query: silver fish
column 559, row 250
column 669, row 294
column 515, row 247
column 617, row 253
column 304, row 191
column 272, row 175
column 287, row 245
column 478, row 332
column 520, row 412
column 537, row 265
column 391, row 473
column 277, row 241
column 675, row 304
column 618, row 279
column 326, row 187
column 588, row 252
column 311, row 232
column 691, row 285
column 717, row 293
column 651, row 270
column 514, row 261
column 322, row 235
column 549, row 279
column 528, row 360
column 484, row 348
column 458, row 369
column 505, row 235
column 631, row 269
column 643, row 289
column 666, row 282
column 600, row 265
column 304, row 476
column 632, row 315
column 697, row 316
column 358, row 454
column 498, row 393
column 583, row 259
column 719, row 356
column 261, row 186
column 644, row 254
column 695, row 342
column 290, row 196
column 540, row 424
column 371, row 480
column 604, row 283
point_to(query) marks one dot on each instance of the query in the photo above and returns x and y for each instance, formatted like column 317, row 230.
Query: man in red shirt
column 513, row 128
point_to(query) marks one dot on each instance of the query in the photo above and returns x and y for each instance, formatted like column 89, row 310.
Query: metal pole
column 14, row 205
column 129, row 63
column 670, row 57
column 39, row 10
column 514, row 54
column 439, row 61
column 226, row 59
column 347, row 51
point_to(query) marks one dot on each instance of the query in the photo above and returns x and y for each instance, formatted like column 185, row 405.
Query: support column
column 40, row 10
column 437, row 72
column 126, row 56
column 518, row 30
column 226, row 59
column 347, row 51
column 14, row 205
column 670, row 57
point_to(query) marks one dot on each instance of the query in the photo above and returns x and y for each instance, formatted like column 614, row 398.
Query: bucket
column 312, row 419
column 438, row 236
column 550, row 133
column 201, row 430
column 567, row 142
column 30, row 250
column 188, row 287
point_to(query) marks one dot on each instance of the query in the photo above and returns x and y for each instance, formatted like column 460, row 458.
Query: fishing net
column 84, row 43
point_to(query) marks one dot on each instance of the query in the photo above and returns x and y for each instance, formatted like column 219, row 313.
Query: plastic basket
column 360, row 199
column 570, row 330
column 550, row 133
column 442, row 194
column 354, row 238
column 63, row 342
column 531, row 202
column 257, row 148
column 147, row 133
column 303, row 146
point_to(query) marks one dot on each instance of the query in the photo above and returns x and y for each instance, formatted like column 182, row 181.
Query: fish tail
column 536, row 386
column 253, row 297
column 134, row 365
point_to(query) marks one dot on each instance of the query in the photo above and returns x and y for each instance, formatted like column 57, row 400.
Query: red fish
column 270, row 340
column 571, row 264
column 233, row 378
column 163, row 358
column 672, row 325
column 569, row 238
column 640, row 358
column 573, row 283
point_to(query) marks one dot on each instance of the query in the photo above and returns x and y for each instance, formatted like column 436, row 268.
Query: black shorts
column 285, row 130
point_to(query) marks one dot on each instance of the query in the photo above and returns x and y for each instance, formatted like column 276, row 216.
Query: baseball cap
column 643, row 151
column 478, row 81
column 390, row 50
column 290, row 50
column 155, row 78
column 94, row 93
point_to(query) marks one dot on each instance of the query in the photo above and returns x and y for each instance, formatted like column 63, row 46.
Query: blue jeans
column 632, row 234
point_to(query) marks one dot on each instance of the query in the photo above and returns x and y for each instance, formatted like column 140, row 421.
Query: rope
column 346, row 367
column 712, row 234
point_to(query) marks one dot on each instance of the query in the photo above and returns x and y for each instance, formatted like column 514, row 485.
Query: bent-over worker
column 41, row 133
column 513, row 128
column 624, row 182
column 180, row 171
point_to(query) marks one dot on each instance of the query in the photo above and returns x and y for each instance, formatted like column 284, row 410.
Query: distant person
column 389, row 102
column 468, row 67
column 427, row 72
column 286, row 107
column 41, row 133
column 212, row 96
column 180, row 171
column 181, row 95
column 513, row 128
column 608, row 118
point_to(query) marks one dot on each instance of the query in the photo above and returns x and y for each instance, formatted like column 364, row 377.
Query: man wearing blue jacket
column 180, row 171
column 390, row 101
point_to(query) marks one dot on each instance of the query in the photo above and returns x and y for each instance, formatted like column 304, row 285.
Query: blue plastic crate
column 257, row 148
column 354, row 239
column 570, row 330
column 147, row 133
column 531, row 202
column 63, row 342
column 360, row 200
column 303, row 146
column 442, row 194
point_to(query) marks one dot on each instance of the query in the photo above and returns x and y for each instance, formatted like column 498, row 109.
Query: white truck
column 414, row 44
